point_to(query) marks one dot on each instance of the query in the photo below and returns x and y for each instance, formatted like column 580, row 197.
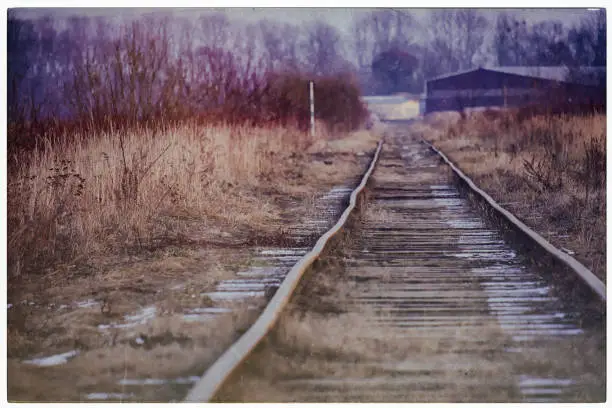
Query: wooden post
column 312, row 117
column 505, row 97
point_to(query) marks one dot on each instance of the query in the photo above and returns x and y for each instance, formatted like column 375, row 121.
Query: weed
column 552, row 166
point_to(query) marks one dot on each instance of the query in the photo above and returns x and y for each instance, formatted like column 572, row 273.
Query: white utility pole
column 312, row 118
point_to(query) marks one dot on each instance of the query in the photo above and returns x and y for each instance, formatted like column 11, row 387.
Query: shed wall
column 483, row 88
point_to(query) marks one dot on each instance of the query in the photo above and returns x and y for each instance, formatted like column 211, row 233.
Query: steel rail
column 217, row 374
column 582, row 271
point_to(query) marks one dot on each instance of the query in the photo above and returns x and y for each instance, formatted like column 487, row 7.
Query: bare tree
column 379, row 31
column 587, row 40
column 214, row 29
column 548, row 45
column 322, row 49
column 281, row 44
column 456, row 37
column 511, row 40
column 21, row 45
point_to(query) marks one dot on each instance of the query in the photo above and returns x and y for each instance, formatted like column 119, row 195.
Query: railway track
column 423, row 301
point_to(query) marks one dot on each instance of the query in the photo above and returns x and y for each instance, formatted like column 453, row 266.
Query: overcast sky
column 339, row 17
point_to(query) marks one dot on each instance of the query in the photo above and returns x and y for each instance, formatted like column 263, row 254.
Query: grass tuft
column 547, row 169
column 121, row 191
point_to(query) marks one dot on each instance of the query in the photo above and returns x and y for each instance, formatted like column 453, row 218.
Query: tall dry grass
column 549, row 169
column 106, row 194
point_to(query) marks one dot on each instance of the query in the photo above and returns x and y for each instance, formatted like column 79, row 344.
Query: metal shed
column 509, row 86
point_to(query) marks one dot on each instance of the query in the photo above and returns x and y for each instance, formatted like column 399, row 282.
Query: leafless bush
column 550, row 168
column 337, row 101
column 109, row 193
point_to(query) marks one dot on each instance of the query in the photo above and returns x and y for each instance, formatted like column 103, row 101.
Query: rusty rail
column 216, row 375
column 582, row 271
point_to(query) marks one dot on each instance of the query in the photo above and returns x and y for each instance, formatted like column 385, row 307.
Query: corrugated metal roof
column 558, row 73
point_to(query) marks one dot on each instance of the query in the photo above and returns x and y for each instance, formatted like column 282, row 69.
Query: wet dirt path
column 424, row 303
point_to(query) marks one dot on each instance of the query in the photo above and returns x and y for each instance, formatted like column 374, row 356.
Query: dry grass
column 549, row 170
column 359, row 142
column 98, row 195
column 125, row 219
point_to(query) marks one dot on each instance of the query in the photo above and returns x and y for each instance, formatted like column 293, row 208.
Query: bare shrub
column 549, row 167
column 337, row 101
column 108, row 193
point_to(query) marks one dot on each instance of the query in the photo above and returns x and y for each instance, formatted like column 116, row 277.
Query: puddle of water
column 568, row 331
column 489, row 255
column 465, row 224
column 53, row 360
column 107, row 396
column 159, row 381
column 210, row 310
column 87, row 303
column 528, row 381
column 532, row 391
column 250, row 281
column 145, row 314
column 284, row 251
column 450, row 202
column 530, row 317
column 479, row 239
column 141, row 317
column 504, row 284
column 518, row 291
column 241, row 286
column 337, row 192
column 442, row 187
column 233, row 295
column 203, row 314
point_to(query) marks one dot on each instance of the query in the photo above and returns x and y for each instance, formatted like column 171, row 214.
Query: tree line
column 393, row 58
column 160, row 65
